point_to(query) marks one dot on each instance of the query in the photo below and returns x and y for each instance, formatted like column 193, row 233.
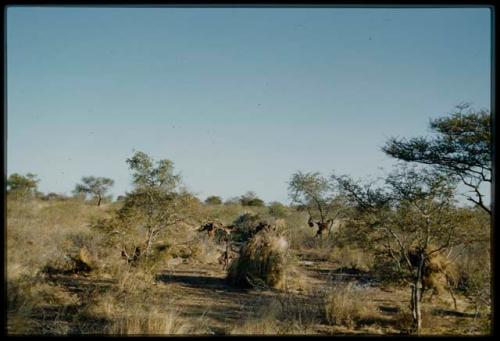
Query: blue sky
column 238, row 98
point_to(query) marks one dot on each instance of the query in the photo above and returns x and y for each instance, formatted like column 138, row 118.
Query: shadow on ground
column 389, row 310
column 196, row 281
column 447, row 312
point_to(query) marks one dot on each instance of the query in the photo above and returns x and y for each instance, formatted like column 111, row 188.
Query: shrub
column 251, row 199
column 22, row 186
column 28, row 296
column 213, row 200
column 277, row 210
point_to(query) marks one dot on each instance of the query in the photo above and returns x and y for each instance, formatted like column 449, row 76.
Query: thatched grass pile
column 438, row 272
column 263, row 262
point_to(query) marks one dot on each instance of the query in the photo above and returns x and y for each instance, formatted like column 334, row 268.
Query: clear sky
column 238, row 98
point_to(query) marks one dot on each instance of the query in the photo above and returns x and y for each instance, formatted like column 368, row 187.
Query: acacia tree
column 316, row 194
column 95, row 186
column 157, row 201
column 277, row 209
column 461, row 146
column 213, row 200
column 22, row 185
column 250, row 199
column 409, row 222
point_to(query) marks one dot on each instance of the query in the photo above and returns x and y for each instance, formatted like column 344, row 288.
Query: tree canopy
column 146, row 175
column 95, row 186
column 460, row 146
column 409, row 221
column 157, row 201
column 250, row 199
column 312, row 191
column 23, row 185
column 213, row 200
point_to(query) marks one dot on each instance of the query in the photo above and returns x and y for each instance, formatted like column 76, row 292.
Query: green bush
column 213, row 200
column 278, row 210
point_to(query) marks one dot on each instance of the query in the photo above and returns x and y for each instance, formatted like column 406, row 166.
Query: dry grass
column 345, row 305
column 57, row 236
column 262, row 262
column 266, row 325
column 116, row 297
column 39, row 233
column 150, row 323
column 281, row 315
column 138, row 305
column 298, row 232
column 351, row 258
column 200, row 248
column 29, row 296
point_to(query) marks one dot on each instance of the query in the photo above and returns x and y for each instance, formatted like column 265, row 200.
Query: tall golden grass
column 345, row 305
column 44, row 235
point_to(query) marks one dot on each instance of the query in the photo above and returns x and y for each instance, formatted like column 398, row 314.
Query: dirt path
column 204, row 291
column 200, row 290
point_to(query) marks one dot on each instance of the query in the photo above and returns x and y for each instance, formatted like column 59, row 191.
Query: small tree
column 317, row 195
column 410, row 222
column 96, row 187
column 22, row 185
column 250, row 199
column 311, row 191
column 157, row 201
column 277, row 210
column 461, row 146
column 213, row 200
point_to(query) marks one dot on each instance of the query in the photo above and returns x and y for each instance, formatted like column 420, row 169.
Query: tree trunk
column 330, row 231
column 149, row 242
column 416, row 293
column 99, row 200
column 416, row 308
column 453, row 297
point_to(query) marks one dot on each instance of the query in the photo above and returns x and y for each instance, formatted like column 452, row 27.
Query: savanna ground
column 335, row 289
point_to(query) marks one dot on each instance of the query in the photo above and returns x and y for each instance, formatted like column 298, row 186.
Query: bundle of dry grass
column 262, row 262
column 438, row 272
column 83, row 262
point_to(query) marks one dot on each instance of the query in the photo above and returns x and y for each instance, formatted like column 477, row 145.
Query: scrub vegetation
column 397, row 256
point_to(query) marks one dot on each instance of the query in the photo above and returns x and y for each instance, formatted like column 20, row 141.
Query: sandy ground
column 201, row 290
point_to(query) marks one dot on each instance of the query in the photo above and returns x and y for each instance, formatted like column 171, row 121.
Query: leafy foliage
column 146, row 176
column 22, row 185
column 316, row 194
column 461, row 146
column 157, row 203
column 411, row 224
column 213, row 200
column 95, row 186
column 250, row 199
column 277, row 210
